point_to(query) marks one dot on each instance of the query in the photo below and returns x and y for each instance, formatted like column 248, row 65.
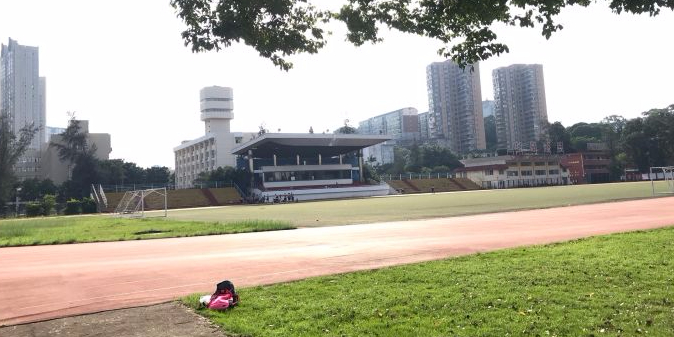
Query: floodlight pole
column 650, row 175
column 16, row 204
column 165, row 202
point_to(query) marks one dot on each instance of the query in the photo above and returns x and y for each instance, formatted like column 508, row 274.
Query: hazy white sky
column 123, row 66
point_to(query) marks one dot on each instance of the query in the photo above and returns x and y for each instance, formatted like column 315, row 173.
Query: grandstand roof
column 307, row 144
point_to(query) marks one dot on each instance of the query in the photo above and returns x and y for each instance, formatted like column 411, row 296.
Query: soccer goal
column 664, row 173
column 137, row 203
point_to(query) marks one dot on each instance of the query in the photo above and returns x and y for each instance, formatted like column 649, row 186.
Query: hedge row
column 73, row 206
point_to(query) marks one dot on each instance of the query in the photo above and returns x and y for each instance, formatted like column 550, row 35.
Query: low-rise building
column 589, row 166
column 52, row 167
column 515, row 171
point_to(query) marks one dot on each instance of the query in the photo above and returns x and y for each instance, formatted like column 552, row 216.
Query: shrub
column 89, row 206
column 48, row 203
column 34, row 209
column 73, row 206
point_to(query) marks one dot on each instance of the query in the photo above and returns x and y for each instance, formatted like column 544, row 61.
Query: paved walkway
column 43, row 282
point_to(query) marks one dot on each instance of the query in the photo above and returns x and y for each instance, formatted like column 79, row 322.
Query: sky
column 123, row 66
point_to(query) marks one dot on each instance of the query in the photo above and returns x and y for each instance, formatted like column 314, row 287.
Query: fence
column 496, row 184
column 169, row 186
column 410, row 176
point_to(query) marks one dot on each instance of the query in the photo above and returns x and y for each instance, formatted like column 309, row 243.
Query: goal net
column 662, row 179
column 138, row 203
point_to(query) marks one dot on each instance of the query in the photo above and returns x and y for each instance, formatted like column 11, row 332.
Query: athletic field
column 420, row 206
column 251, row 218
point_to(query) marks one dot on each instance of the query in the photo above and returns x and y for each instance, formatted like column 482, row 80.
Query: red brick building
column 590, row 166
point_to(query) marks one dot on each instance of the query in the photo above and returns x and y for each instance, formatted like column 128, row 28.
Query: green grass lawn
column 615, row 285
column 420, row 206
column 58, row 230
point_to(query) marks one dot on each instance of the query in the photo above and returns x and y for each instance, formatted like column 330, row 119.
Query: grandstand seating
column 467, row 184
column 184, row 198
column 440, row 185
column 397, row 184
column 227, row 195
column 197, row 198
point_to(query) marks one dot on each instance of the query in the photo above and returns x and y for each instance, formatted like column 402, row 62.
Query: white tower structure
column 214, row 149
column 216, row 108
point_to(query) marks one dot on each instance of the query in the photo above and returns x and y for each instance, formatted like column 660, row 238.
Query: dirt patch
column 150, row 231
column 161, row 320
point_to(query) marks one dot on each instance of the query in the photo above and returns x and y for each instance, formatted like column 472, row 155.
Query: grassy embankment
column 421, row 206
column 615, row 285
column 59, row 230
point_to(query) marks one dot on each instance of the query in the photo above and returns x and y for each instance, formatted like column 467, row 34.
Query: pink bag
column 221, row 301
column 224, row 297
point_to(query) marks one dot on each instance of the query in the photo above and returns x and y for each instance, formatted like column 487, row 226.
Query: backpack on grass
column 225, row 296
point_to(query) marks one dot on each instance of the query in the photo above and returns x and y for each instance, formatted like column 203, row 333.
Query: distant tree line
column 12, row 146
column 84, row 168
column 416, row 158
column 637, row 143
column 227, row 174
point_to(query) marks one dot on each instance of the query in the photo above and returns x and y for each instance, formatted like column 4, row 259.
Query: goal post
column 136, row 203
column 664, row 173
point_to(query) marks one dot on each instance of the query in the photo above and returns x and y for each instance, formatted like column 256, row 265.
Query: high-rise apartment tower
column 520, row 109
column 22, row 100
column 455, row 106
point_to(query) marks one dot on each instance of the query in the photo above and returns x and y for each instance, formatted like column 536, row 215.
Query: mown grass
column 60, row 230
column 615, row 285
column 421, row 206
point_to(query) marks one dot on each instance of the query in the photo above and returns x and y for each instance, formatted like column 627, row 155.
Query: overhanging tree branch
column 281, row 28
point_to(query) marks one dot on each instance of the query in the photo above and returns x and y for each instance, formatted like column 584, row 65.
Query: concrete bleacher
column 440, row 185
column 185, row 198
column 227, row 195
column 397, row 184
column 467, row 184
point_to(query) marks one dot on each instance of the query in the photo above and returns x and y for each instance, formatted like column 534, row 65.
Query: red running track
column 43, row 282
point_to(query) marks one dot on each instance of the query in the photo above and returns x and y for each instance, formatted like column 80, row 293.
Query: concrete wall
column 331, row 193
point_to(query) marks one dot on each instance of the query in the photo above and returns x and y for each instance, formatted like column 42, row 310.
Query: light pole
column 16, row 204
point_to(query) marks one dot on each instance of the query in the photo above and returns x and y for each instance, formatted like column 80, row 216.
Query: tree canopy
column 74, row 149
column 346, row 129
column 280, row 28
column 11, row 149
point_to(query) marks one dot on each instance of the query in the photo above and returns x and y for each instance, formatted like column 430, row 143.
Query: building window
column 489, row 172
column 553, row 171
column 512, row 173
column 540, row 163
column 540, row 172
column 216, row 99
column 525, row 163
column 526, row 173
